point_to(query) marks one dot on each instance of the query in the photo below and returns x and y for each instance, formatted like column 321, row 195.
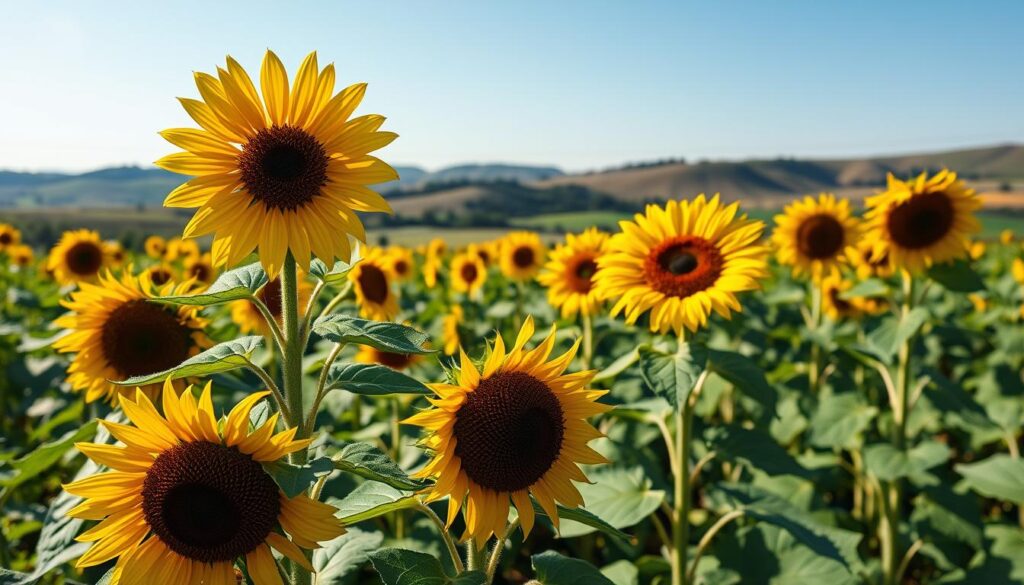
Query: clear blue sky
column 581, row 84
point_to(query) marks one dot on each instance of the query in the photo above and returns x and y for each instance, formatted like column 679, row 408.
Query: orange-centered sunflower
column 375, row 294
column 468, row 273
column 681, row 262
column 813, row 235
column 9, row 236
column 515, row 429
column 186, row 497
column 117, row 333
column 395, row 361
column 402, row 263
column 569, row 273
column 522, row 255
column 922, row 221
column 282, row 169
column 79, row 256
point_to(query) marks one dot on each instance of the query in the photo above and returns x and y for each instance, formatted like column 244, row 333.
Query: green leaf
column 337, row 273
column 372, row 499
column 233, row 285
column 871, row 287
column 622, row 573
column 743, row 373
column 754, row 448
column 372, row 380
column 840, row 421
column 12, row 578
column 368, row 461
column 343, row 555
column 621, row 497
column 43, row 457
column 398, row 566
column 1000, row 477
column 888, row 463
column 222, row 357
column 555, row 569
column 296, row 479
column 770, row 555
column 957, row 276
column 892, row 333
column 673, row 375
column 583, row 517
column 391, row 337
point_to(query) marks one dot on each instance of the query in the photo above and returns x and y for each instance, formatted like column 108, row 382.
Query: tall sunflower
column 20, row 255
column 813, row 235
column 832, row 302
column 922, row 221
column 485, row 251
column 867, row 263
column 570, row 271
column 116, row 333
column 115, row 253
column 160, row 274
column 395, row 361
column 9, row 236
column 184, row 250
column 522, row 255
column 468, row 273
column 249, row 318
column 681, row 262
column 156, row 247
column 184, row 500
column 79, row 256
column 371, row 278
column 402, row 263
column 450, row 329
column 283, row 172
column 515, row 429
column 201, row 269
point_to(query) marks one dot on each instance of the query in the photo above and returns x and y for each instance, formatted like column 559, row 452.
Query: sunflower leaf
column 333, row 275
column 296, row 479
column 372, row 380
column 398, row 566
column 344, row 555
column 233, row 285
column 391, row 337
column 583, row 517
column 1000, row 476
column 222, row 357
column 871, row 287
column 555, row 569
column 957, row 276
column 673, row 375
column 744, row 374
column 368, row 461
column 372, row 499
column 43, row 457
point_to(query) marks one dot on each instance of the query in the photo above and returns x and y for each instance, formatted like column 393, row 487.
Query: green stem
column 492, row 563
column 453, row 550
column 705, row 541
column 814, row 367
column 474, row 556
column 681, row 495
column 292, row 373
column 588, row 341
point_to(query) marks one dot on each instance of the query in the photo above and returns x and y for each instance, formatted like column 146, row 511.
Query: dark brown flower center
column 200, row 272
column 160, row 276
column 820, row 236
column 283, row 167
column 523, row 257
column 842, row 305
column 395, row 361
column 468, row 272
column 6, row 237
column 509, row 431
column 581, row 277
column 84, row 258
column 683, row 266
column 140, row 338
column 921, row 221
column 401, row 267
column 374, row 284
column 208, row 502
column 270, row 294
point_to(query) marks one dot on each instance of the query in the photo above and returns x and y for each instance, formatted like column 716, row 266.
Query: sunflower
column 1006, row 237
column 450, row 329
column 522, row 255
column 923, row 221
column 832, row 302
column 515, row 429
column 156, row 247
column 569, row 273
column 285, row 173
column 160, row 274
column 401, row 262
column 20, row 255
column 1017, row 269
column 9, row 236
column 395, row 361
column 201, row 269
column 431, row 270
column 979, row 302
column 186, row 497
column 79, row 256
column 115, row 252
column 813, row 235
column 436, row 248
column 681, row 262
column 249, row 318
column 484, row 251
column 116, row 334
column 468, row 273
column 184, row 250
column 867, row 263
column 371, row 278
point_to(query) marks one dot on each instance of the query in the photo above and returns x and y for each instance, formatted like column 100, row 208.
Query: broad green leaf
column 621, row 364
column 764, row 554
column 344, row 555
column 622, row 573
column 1003, row 561
column 334, row 275
column 871, row 287
column 398, row 566
column 233, row 285
column 368, row 461
column 940, row 510
column 1000, row 476
column 43, row 457
column 8, row 577
column 296, row 479
column 673, row 375
column 957, row 276
column 372, row 499
column 754, row 448
column 743, row 373
column 960, row 406
column 892, row 333
column 372, row 380
column 840, row 421
column 620, row 497
column 888, row 463
column 555, row 569
column 391, row 337
column 582, row 516
column 223, row 357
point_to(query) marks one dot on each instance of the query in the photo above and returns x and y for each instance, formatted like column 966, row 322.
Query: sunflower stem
column 453, row 550
column 292, row 373
column 588, row 340
column 499, row 547
column 474, row 555
column 814, row 367
column 705, row 540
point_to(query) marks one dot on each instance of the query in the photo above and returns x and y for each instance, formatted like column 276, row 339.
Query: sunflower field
column 699, row 398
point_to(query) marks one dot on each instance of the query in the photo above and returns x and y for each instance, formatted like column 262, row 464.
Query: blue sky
column 582, row 84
